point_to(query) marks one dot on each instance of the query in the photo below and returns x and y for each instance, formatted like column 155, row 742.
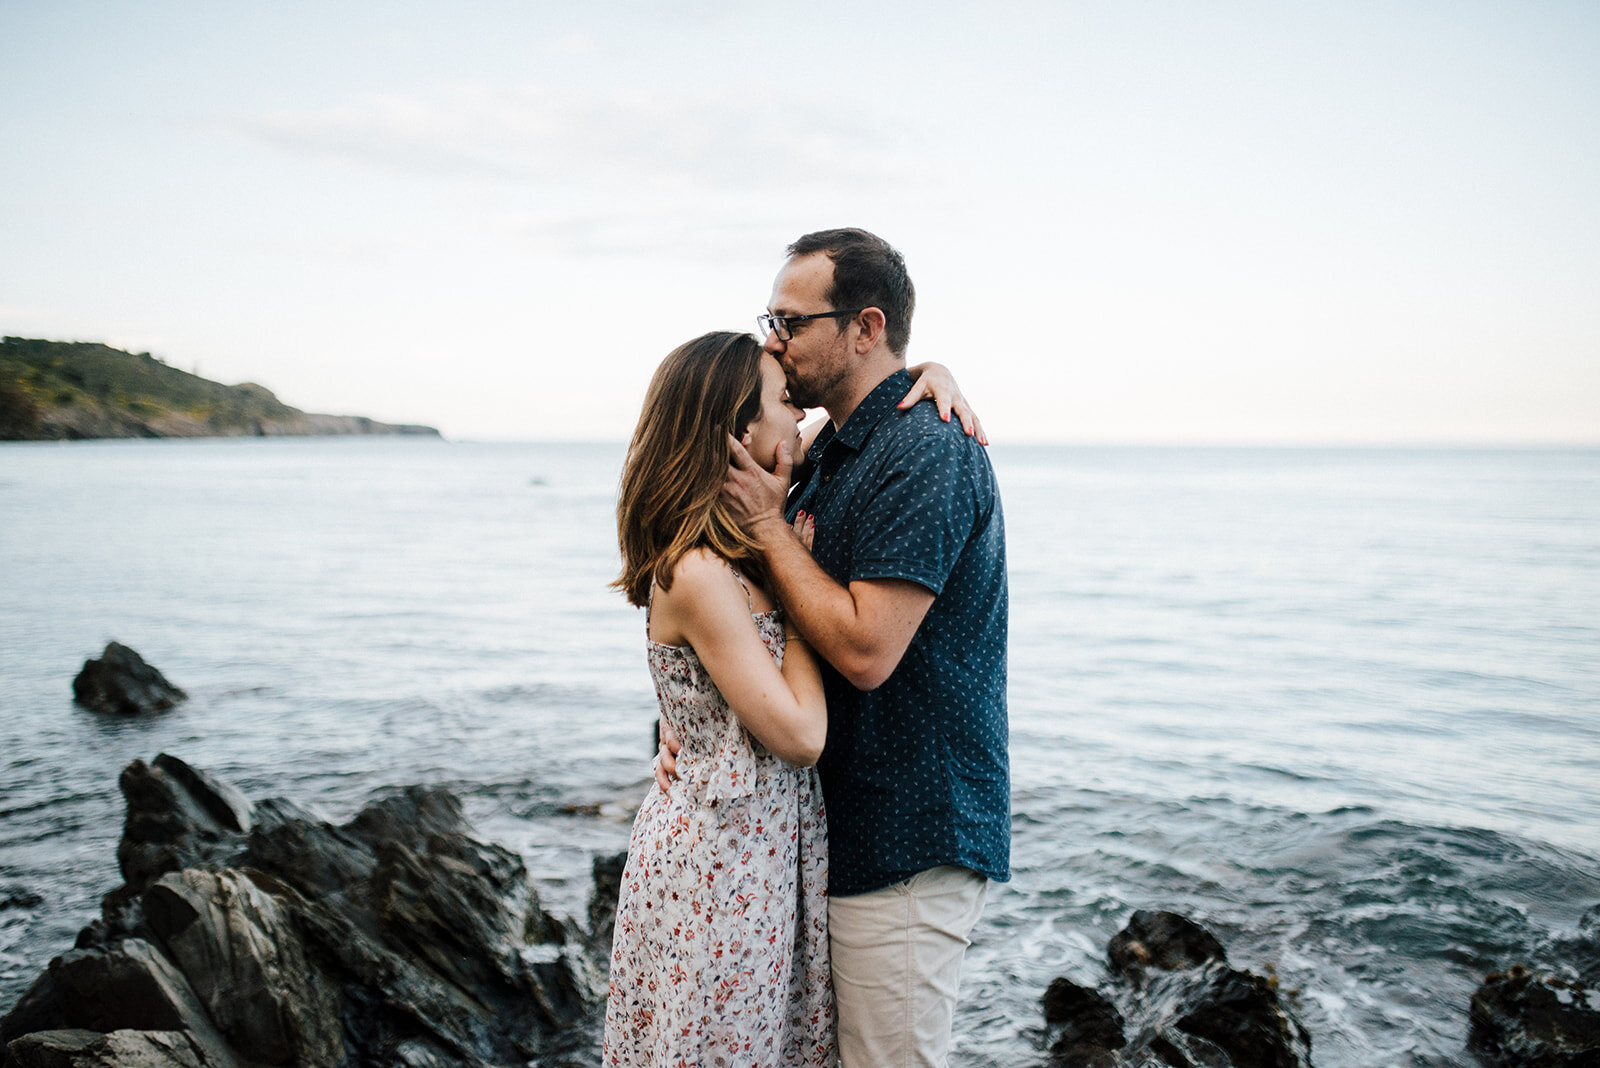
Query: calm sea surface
column 1343, row 706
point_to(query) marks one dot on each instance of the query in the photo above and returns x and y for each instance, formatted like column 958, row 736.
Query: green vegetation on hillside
column 60, row 389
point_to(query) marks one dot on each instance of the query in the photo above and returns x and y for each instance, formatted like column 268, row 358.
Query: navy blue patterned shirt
column 915, row 773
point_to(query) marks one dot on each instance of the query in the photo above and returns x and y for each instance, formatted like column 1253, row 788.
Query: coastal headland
column 74, row 390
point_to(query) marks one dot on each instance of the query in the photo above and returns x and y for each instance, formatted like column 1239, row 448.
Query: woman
column 720, row 954
column 721, row 950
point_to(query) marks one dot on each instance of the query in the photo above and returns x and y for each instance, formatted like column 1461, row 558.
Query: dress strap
column 747, row 598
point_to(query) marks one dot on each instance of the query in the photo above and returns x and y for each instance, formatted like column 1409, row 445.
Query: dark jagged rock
column 1239, row 1012
column 1174, row 1001
column 178, row 817
column 1525, row 1020
column 121, row 682
column 263, row 935
column 247, row 964
column 603, row 901
column 1084, row 1024
column 118, row 1049
column 129, row 986
column 1179, row 1050
column 1163, row 940
column 1581, row 952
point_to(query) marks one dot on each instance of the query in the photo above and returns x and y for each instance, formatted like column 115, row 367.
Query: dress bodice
column 719, row 758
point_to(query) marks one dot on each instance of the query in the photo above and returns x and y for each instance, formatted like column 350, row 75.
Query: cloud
column 703, row 230
column 584, row 174
column 626, row 142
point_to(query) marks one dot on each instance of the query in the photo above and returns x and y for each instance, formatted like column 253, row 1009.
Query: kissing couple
column 832, row 794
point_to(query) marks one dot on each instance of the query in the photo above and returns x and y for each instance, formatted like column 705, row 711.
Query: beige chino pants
column 897, row 956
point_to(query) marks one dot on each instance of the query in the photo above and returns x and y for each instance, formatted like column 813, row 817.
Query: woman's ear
column 746, row 438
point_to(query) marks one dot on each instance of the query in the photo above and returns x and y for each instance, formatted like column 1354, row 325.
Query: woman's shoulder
column 700, row 574
column 702, row 578
column 705, row 592
column 700, row 565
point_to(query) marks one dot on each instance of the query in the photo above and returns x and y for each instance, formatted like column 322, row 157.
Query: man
column 905, row 599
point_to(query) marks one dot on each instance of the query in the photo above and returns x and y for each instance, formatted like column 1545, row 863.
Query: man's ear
column 873, row 324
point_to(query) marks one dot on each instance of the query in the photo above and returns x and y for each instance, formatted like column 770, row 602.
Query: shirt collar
column 873, row 407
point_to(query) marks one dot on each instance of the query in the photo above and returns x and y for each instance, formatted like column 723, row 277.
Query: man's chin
column 799, row 396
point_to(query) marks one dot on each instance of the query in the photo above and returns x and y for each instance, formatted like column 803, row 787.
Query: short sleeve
column 929, row 496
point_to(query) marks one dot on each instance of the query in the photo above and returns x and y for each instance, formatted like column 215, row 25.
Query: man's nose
column 773, row 343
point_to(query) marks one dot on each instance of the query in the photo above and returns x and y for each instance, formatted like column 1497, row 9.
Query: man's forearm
column 862, row 629
column 821, row 609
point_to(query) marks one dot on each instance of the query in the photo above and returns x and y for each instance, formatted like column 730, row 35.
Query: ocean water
column 1343, row 706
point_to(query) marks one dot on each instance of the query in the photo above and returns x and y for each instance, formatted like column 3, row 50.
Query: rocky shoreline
column 255, row 933
column 95, row 423
column 258, row 934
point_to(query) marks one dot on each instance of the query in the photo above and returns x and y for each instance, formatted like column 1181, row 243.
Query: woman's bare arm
column 933, row 381
column 706, row 608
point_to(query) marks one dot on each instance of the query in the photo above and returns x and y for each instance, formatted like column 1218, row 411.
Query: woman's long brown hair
column 668, row 501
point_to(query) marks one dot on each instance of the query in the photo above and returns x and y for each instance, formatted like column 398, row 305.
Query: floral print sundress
column 720, row 957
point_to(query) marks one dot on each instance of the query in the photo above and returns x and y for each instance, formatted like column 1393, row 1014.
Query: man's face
column 816, row 359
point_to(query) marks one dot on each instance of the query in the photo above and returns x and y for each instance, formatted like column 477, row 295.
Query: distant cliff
column 60, row 390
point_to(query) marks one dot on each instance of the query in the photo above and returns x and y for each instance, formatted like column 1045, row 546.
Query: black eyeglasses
column 782, row 325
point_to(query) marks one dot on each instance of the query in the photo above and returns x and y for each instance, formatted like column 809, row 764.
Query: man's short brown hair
column 867, row 273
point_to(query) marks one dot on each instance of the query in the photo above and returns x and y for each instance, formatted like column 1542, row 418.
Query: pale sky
column 1348, row 221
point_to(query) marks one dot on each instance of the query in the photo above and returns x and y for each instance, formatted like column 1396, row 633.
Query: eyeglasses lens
column 773, row 324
